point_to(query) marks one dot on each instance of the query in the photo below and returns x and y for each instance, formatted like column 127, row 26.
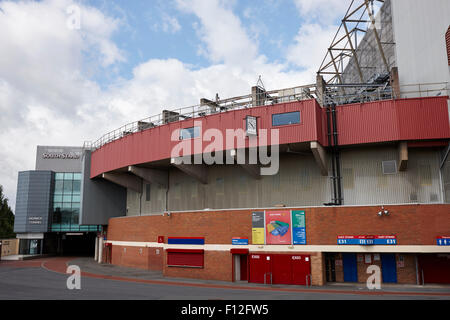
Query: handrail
column 266, row 277
column 308, row 284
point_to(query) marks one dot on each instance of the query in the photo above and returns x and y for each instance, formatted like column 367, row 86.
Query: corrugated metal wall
column 445, row 171
column 299, row 183
column 365, row 183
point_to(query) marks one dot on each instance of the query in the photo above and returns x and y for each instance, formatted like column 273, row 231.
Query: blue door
column 350, row 269
column 388, row 268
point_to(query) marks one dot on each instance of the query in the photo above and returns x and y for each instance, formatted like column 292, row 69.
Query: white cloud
column 48, row 97
column 310, row 46
column 322, row 11
column 222, row 32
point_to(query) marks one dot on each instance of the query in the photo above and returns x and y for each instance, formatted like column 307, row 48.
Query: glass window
column 77, row 176
column 59, row 176
column 68, row 186
column 75, row 216
column 189, row 133
column 57, row 198
column 76, row 199
column 59, row 184
column 75, row 205
column 57, row 216
column 57, row 206
column 67, row 205
column 283, row 119
column 66, row 217
column 76, row 187
column 67, row 199
column 68, row 176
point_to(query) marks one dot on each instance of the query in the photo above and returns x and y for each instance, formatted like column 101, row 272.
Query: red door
column 260, row 268
column 434, row 268
column 301, row 268
column 281, row 269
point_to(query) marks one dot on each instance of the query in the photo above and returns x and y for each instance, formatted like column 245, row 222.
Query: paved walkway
column 92, row 269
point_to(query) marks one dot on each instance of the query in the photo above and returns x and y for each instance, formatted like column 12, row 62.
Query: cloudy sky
column 71, row 71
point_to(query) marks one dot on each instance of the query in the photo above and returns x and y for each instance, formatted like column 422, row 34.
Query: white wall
column 419, row 33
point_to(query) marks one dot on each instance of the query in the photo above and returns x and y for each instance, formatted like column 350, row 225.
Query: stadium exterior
column 305, row 185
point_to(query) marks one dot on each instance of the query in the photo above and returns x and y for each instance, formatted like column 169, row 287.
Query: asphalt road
column 37, row 283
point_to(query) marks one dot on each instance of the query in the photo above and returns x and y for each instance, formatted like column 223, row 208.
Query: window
column 283, row 119
column 389, row 167
column 189, row 133
column 67, row 203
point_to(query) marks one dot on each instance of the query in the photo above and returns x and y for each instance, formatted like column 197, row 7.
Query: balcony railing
column 336, row 94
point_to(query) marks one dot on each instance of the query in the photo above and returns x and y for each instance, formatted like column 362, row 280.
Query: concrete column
column 125, row 180
column 100, row 250
column 96, row 249
column 403, row 156
column 320, row 90
column 196, row 171
column 151, row 175
column 320, row 155
column 395, row 83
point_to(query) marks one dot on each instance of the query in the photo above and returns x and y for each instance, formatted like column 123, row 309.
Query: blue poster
column 298, row 227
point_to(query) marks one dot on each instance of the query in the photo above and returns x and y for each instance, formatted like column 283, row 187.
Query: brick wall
column 137, row 257
column 412, row 224
column 217, row 266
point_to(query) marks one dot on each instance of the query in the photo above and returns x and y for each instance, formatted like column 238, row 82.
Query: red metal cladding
column 363, row 123
column 157, row 143
column 394, row 120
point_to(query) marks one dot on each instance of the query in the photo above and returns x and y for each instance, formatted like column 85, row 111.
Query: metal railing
column 263, row 98
column 308, row 283
column 341, row 95
column 338, row 95
column 265, row 277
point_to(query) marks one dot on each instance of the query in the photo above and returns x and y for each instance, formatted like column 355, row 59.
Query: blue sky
column 130, row 59
column 159, row 30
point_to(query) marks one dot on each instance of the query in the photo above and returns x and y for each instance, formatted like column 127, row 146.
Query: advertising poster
column 257, row 227
column 298, row 227
column 278, row 227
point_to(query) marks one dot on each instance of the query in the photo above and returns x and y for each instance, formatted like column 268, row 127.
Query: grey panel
column 100, row 199
column 419, row 183
column 33, row 201
column 59, row 159
column 300, row 183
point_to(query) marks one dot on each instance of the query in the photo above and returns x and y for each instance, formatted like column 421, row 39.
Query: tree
column 6, row 218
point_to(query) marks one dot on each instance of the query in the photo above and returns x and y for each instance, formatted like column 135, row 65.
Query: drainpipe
column 337, row 156
column 167, row 191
